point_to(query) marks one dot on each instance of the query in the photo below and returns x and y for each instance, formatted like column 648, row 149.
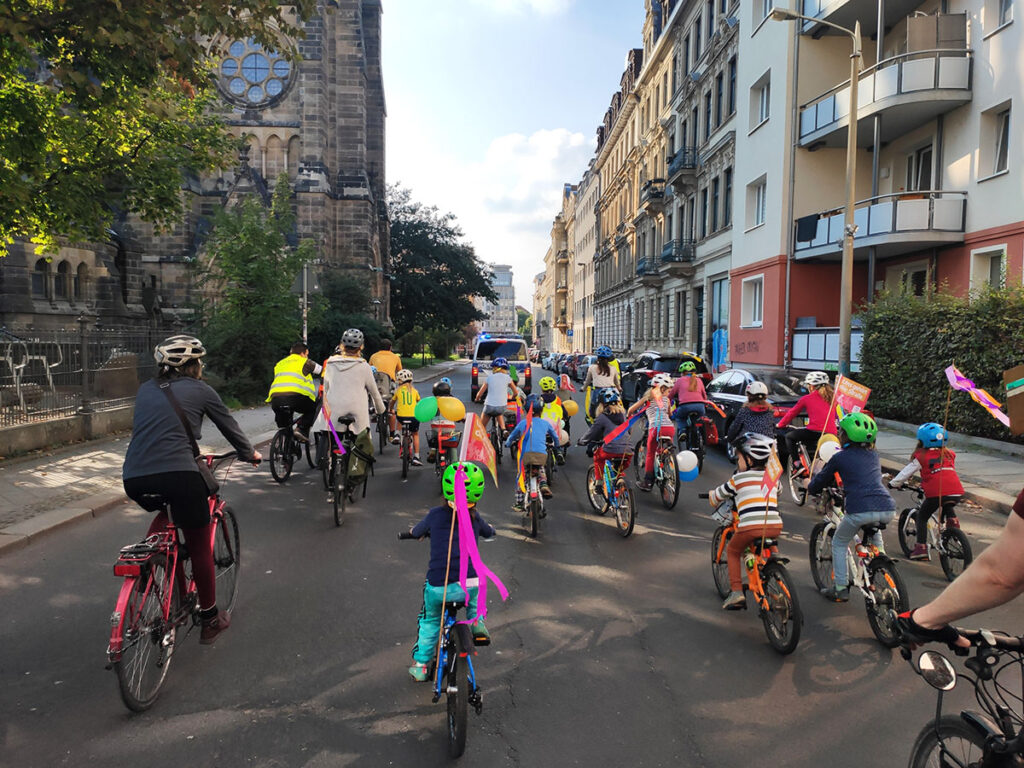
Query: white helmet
column 756, row 446
column 175, row 351
column 757, row 388
column 815, row 379
column 404, row 375
column 661, row 380
column 353, row 337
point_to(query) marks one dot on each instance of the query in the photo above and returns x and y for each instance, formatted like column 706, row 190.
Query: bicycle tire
column 639, row 459
column 798, row 494
column 406, row 448
column 227, row 559
column 534, row 509
column 148, row 638
column 700, row 449
column 890, row 600
column 280, row 457
column 496, row 443
column 382, row 433
column 906, row 530
column 549, row 467
column 783, row 618
column 458, row 689
column 956, row 553
column 720, row 566
column 324, row 451
column 669, row 479
column 340, row 498
column 949, row 737
column 625, row 509
column 821, row 555
column 310, row 459
column 596, row 499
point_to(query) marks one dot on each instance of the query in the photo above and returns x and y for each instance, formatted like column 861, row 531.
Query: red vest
column 938, row 477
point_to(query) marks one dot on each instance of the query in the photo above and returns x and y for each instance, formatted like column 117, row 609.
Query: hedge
column 909, row 341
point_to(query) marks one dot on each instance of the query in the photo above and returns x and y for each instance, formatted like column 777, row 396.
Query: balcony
column 682, row 169
column 562, row 257
column 652, row 196
column 677, row 258
column 894, row 224
column 911, row 90
column 846, row 13
column 817, row 349
column 561, row 323
column 562, row 287
column 647, row 271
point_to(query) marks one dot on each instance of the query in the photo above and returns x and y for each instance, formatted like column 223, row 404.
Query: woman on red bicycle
column 816, row 403
column 657, row 403
column 610, row 415
column 159, row 460
column 688, row 394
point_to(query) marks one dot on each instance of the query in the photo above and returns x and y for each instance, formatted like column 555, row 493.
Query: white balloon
column 686, row 461
column 827, row 451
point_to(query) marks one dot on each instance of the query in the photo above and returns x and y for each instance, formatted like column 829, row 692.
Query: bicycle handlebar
column 704, row 495
column 405, row 535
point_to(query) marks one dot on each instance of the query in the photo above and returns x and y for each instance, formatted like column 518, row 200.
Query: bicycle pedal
column 480, row 642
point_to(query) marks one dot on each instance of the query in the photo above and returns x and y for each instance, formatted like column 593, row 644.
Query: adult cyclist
column 496, row 391
column 386, row 365
column 159, row 460
column 601, row 375
column 347, row 382
column 292, row 390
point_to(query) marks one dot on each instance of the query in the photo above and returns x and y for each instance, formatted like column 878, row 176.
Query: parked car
column 583, row 365
column 636, row 377
column 563, row 364
column 573, row 363
column 728, row 390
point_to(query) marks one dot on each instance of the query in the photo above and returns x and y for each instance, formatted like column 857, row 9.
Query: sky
column 493, row 105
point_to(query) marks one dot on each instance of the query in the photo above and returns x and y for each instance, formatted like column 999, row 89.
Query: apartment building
column 542, row 311
column 582, row 254
column 501, row 315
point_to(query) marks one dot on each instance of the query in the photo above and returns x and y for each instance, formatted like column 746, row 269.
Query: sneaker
column 836, row 595
column 395, row 439
column 213, row 627
column 416, row 461
column 519, row 508
column 559, row 458
column 952, row 521
column 545, row 491
column 419, row 672
column 297, row 434
column 920, row 552
column 645, row 485
column 480, row 634
column 735, row 602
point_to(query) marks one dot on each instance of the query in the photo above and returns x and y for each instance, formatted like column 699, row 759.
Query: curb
column 988, row 498
column 438, row 373
column 957, row 438
column 25, row 532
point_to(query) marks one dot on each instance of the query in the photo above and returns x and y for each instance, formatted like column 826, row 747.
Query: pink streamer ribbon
column 469, row 552
column 330, row 426
column 958, row 381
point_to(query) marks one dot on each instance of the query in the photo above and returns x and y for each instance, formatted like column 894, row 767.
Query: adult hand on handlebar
column 257, row 457
column 913, row 635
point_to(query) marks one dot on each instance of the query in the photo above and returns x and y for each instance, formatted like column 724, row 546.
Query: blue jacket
column 437, row 525
column 536, row 439
column 861, row 472
column 605, row 424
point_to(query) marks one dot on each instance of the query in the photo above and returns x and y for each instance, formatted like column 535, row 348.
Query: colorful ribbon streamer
column 330, row 426
column 625, row 426
column 470, row 553
column 958, row 381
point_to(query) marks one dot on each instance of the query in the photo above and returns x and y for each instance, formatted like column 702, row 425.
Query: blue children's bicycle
column 617, row 496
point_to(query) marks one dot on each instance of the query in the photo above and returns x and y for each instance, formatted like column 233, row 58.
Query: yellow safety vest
column 552, row 412
column 288, row 377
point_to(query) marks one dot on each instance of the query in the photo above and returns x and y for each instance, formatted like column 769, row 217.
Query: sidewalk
column 42, row 492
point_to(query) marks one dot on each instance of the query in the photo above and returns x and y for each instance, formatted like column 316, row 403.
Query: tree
column 436, row 275
column 105, row 105
column 345, row 303
column 250, row 316
column 525, row 324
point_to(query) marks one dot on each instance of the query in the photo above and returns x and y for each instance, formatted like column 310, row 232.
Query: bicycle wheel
column 625, row 509
column 458, row 689
column 669, row 479
column 406, row 451
column 700, row 441
column 596, row 499
column 955, row 554
column 325, row 454
column 891, row 599
column 798, row 493
column 533, row 509
column 280, row 456
column 340, row 488
column 639, row 459
column 782, row 618
column 821, row 555
column 719, row 564
column 382, row 432
column 310, row 458
column 227, row 559
column 496, row 444
column 148, row 638
column 549, row 467
column 948, row 742
column 907, row 530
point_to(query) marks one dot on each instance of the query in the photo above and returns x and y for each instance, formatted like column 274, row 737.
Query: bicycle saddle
column 872, row 528
column 346, row 421
column 455, row 605
column 152, row 502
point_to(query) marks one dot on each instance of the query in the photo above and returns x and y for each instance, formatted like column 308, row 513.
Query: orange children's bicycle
column 767, row 579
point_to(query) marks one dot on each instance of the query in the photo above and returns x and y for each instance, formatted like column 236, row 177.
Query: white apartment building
column 543, row 297
column 582, row 254
column 501, row 314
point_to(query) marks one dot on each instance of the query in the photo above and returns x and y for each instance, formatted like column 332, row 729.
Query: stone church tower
column 319, row 119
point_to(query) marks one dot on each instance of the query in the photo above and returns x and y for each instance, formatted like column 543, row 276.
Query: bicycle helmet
column 175, row 351
column 474, row 481
column 815, row 379
column 499, row 362
column 755, row 446
column 687, row 366
column 932, row 435
column 757, row 389
column 610, row 396
column 604, row 352
column 403, row 376
column 661, row 380
column 442, row 388
column 353, row 337
column 858, row 428
column 445, row 380
column 548, row 384
column 535, row 405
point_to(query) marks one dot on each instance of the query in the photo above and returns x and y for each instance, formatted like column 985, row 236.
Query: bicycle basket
column 723, row 512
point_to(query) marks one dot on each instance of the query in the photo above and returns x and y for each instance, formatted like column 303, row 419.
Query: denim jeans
column 430, row 617
column 845, row 531
column 679, row 415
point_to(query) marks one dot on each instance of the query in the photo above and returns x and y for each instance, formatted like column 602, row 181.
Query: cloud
column 543, row 7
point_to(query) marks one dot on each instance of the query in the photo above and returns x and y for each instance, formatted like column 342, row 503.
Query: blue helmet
column 609, row 396
column 535, row 404
column 445, row 380
column 604, row 352
column 499, row 362
column 932, row 435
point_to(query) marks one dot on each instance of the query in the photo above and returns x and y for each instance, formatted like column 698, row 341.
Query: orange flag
column 476, row 446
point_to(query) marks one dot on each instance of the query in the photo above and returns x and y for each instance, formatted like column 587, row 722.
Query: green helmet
column 859, row 428
column 687, row 366
column 474, row 481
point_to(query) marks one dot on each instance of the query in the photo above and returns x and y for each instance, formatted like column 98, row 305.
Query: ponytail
column 693, row 382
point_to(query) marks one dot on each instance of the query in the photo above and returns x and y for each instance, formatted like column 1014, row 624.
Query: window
column 723, row 7
column 764, row 102
column 707, row 115
column 919, row 169
column 60, row 284
column 988, row 267
column 710, row 6
column 766, row 7
column 732, row 85
column 696, row 41
column 760, row 100
column 719, row 87
column 695, row 115
column 680, row 313
column 686, row 56
column 1005, row 12
column 704, row 213
column 1002, row 141
column 40, row 278
column 727, row 199
column 752, row 302
column 253, row 75
column 715, row 189
column 675, row 70
column 81, row 278
column 757, row 202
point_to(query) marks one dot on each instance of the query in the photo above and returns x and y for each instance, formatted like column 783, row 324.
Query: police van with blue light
column 490, row 345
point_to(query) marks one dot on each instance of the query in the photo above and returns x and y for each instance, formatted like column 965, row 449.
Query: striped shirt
column 754, row 508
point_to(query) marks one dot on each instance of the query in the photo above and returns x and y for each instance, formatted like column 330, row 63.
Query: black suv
column 636, row 377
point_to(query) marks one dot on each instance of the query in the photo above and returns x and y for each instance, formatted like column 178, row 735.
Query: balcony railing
column 647, row 266
column 678, row 250
column 933, row 216
column 684, row 158
column 846, row 13
column 818, row 348
column 922, row 84
column 562, row 256
column 652, row 190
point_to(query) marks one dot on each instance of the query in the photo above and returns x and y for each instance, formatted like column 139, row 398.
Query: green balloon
column 426, row 409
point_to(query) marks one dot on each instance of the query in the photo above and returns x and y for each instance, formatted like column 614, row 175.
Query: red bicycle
column 158, row 597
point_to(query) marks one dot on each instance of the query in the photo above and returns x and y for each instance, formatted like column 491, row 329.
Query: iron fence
column 48, row 374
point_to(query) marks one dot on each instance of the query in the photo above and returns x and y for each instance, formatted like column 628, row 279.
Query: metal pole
column 305, row 304
column 849, row 228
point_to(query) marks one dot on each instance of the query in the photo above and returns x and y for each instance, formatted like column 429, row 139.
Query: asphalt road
column 608, row 652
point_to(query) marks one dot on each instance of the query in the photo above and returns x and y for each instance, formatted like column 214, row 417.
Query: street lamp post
column 849, row 228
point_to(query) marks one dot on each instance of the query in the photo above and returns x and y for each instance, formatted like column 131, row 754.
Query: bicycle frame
column 858, row 558
column 762, row 557
column 444, row 665
column 611, row 480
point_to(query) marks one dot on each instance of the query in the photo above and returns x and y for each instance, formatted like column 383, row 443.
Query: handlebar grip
column 704, row 495
column 405, row 535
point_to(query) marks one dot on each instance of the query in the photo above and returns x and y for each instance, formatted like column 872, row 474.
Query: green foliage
column 344, row 303
column 436, row 275
column 105, row 105
column 909, row 342
column 250, row 317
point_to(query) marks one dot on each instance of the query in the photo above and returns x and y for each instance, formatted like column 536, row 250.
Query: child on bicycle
column 403, row 403
column 939, row 481
column 554, row 412
column 535, row 433
column 442, row 582
column 866, row 500
column 758, row 511
column 439, row 425
column 656, row 401
column 755, row 415
column 610, row 416
column 817, row 403
column 496, row 390
column 689, row 395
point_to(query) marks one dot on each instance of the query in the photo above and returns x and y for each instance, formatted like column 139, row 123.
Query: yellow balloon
column 827, row 439
column 570, row 407
column 451, row 408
